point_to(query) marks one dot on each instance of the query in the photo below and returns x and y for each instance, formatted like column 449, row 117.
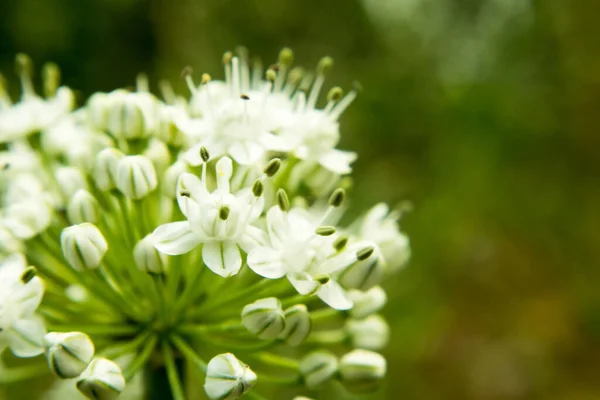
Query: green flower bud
column 362, row 370
column 367, row 303
column 228, row 378
column 264, row 318
column 83, row 207
column 147, row 258
column 371, row 333
column 318, row 367
column 297, row 325
column 136, row 177
column 105, row 168
column 83, row 246
column 102, row 380
column 68, row 354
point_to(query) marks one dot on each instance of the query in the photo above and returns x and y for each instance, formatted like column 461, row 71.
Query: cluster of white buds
column 170, row 230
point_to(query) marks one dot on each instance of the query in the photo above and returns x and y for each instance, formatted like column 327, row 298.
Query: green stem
column 141, row 359
column 16, row 374
column 188, row 352
column 172, row 374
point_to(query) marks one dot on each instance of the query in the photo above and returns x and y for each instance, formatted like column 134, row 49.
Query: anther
column 325, row 230
column 365, row 253
column 28, row 274
column 224, row 213
column 204, row 154
column 337, row 197
column 282, row 200
column 272, row 167
column 258, row 188
column 340, row 243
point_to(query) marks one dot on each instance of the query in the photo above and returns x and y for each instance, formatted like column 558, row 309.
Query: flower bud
column 147, row 258
column 136, row 177
column 371, row 333
column 367, row 303
column 83, row 246
column 158, row 153
column 264, row 318
column 318, row 367
column 365, row 272
column 83, row 207
column 102, row 380
column 227, row 378
column 105, row 168
column 362, row 370
column 68, row 354
column 297, row 325
column 70, row 180
column 27, row 218
column 97, row 107
column 131, row 115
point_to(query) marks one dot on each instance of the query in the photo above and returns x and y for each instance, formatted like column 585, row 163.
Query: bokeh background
column 482, row 113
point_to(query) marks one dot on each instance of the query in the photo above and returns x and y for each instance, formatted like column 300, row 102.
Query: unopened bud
column 228, row 378
column 318, row 367
column 264, row 318
column 362, row 370
column 102, row 380
column 68, row 354
column 83, row 207
column 105, row 168
column 83, row 246
column 371, row 333
column 136, row 177
column 298, row 325
column 147, row 258
column 367, row 303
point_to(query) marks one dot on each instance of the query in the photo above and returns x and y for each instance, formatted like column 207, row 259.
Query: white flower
column 20, row 295
column 33, row 114
column 239, row 118
column 296, row 251
column 381, row 226
column 27, row 218
column 219, row 220
column 228, row 378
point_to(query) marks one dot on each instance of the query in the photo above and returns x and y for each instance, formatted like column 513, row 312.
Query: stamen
column 340, row 243
column 244, row 68
column 322, row 278
column 204, row 154
column 224, row 213
column 282, row 200
column 345, row 102
column 324, row 66
column 272, row 167
column 337, row 197
column 294, row 80
column 258, row 188
column 167, row 91
column 235, row 67
column 365, row 253
column 286, row 58
column 257, row 73
column 142, row 84
column 334, row 96
column 25, row 72
column 186, row 73
column 325, row 230
column 28, row 275
column 185, row 193
column 227, row 63
column 51, row 78
column 245, row 97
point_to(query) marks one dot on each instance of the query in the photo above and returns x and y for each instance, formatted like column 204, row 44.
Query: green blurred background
column 482, row 113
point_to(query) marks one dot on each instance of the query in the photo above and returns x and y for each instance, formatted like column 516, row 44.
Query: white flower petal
column 246, row 152
column 253, row 237
column 335, row 296
column 26, row 338
column 174, row 238
column 303, row 283
column 266, row 262
column 338, row 161
column 223, row 258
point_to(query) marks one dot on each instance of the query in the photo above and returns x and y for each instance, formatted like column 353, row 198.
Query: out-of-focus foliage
column 483, row 113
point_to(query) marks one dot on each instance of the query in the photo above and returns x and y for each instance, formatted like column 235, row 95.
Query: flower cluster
column 137, row 232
